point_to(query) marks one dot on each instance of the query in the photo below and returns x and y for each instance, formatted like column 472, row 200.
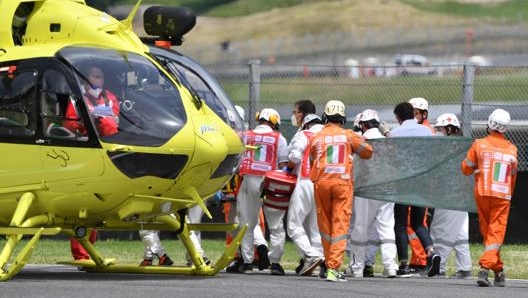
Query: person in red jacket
column 493, row 161
column 101, row 103
column 331, row 151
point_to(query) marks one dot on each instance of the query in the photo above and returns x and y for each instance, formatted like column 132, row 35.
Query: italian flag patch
column 501, row 172
column 335, row 154
column 262, row 153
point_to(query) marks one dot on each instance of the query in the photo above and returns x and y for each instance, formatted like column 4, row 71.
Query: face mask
column 294, row 121
column 95, row 92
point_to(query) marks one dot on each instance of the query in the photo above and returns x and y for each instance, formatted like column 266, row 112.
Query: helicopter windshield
column 129, row 100
column 201, row 83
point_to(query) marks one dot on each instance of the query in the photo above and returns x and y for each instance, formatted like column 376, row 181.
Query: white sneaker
column 389, row 273
column 310, row 263
column 350, row 273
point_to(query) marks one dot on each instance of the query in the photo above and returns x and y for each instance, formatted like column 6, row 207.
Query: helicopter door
column 20, row 163
column 66, row 154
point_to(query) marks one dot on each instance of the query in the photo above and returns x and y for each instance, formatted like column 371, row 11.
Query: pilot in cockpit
column 102, row 104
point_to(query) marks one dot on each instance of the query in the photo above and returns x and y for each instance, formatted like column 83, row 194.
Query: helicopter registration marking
column 207, row 128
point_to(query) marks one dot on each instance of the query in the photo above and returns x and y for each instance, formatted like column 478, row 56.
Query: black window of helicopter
column 195, row 77
column 151, row 107
column 56, row 96
column 17, row 103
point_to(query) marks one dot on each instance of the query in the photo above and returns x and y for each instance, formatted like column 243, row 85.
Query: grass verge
column 51, row 251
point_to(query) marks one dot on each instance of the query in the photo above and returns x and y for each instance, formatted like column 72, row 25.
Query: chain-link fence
column 469, row 91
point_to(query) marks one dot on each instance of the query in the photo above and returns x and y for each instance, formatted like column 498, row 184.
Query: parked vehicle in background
column 412, row 64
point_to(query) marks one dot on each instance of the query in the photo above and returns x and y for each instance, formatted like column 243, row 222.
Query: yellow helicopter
column 176, row 140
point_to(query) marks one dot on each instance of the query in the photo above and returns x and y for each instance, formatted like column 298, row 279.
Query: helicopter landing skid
column 198, row 267
column 17, row 228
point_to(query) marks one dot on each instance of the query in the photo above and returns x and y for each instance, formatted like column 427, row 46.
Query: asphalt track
column 41, row 281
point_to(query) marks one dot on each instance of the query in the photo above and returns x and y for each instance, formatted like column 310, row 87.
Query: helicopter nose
column 211, row 146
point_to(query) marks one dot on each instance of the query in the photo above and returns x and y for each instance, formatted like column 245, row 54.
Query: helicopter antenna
column 128, row 21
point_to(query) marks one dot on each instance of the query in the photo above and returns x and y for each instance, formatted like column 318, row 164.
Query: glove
column 287, row 170
column 384, row 128
column 218, row 197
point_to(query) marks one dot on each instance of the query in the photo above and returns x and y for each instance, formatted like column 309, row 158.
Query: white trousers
column 152, row 244
column 371, row 218
column 275, row 220
column 258, row 235
column 248, row 208
column 302, row 220
column 449, row 231
column 194, row 215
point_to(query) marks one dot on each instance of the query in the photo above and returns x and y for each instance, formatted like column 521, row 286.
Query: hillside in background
column 283, row 28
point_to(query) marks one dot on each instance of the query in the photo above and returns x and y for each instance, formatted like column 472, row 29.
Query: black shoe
column 264, row 262
column 500, row 279
column 276, row 269
column 368, row 271
column 246, row 268
column 235, row 264
column 417, row 269
column 433, row 264
column 300, row 267
column 322, row 271
column 403, row 271
column 482, row 278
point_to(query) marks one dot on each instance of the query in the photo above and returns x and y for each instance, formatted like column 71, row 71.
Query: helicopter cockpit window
column 17, row 109
column 129, row 100
column 201, row 83
column 55, row 100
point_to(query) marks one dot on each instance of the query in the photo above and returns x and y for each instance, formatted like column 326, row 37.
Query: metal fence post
column 254, row 91
column 467, row 99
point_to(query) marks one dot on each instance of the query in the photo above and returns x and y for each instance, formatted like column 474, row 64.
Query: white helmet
column 270, row 115
column 369, row 114
column 308, row 118
column 447, row 119
column 499, row 120
column 419, row 103
column 241, row 112
column 334, row 107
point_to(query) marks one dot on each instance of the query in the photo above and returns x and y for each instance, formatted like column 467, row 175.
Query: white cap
column 447, row 119
column 270, row 115
column 499, row 120
column 419, row 103
column 369, row 114
column 308, row 118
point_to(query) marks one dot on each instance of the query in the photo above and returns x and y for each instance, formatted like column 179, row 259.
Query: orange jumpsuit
column 493, row 160
column 332, row 173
